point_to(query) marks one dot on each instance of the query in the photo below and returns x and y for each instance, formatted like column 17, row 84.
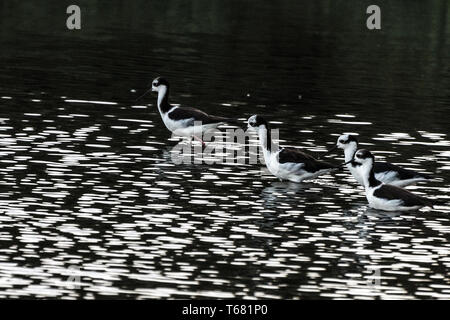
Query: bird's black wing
column 179, row 114
column 193, row 114
column 402, row 173
column 389, row 192
column 296, row 156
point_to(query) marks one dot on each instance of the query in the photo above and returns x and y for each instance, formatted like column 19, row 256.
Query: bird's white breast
column 178, row 127
column 287, row 171
column 184, row 127
column 271, row 160
column 355, row 173
column 169, row 123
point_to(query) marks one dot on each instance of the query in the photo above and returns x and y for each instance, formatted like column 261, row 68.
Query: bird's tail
column 332, row 167
column 424, row 176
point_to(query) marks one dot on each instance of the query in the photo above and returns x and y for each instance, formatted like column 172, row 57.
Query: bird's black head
column 255, row 121
column 346, row 140
column 363, row 155
column 159, row 82
column 159, row 85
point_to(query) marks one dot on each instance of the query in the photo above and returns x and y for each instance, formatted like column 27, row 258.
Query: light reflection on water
column 90, row 191
column 116, row 211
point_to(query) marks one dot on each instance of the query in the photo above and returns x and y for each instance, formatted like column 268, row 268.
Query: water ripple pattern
column 93, row 205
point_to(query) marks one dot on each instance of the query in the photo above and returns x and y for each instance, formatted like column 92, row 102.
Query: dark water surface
column 93, row 206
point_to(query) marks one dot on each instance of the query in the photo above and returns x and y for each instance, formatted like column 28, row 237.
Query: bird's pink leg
column 198, row 139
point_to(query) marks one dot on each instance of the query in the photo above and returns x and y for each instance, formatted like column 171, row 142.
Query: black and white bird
column 183, row 121
column 286, row 163
column 383, row 196
column 384, row 171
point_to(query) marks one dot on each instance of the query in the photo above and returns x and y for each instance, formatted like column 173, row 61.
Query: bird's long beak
column 345, row 163
column 328, row 152
column 143, row 94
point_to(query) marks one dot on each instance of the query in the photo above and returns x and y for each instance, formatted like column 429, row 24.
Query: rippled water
column 92, row 204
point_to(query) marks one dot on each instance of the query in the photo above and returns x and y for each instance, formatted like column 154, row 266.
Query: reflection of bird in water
column 382, row 215
column 364, row 221
column 279, row 192
column 179, row 153
column 183, row 153
column 288, row 187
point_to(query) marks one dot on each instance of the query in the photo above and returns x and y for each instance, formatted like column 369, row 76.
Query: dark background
column 273, row 50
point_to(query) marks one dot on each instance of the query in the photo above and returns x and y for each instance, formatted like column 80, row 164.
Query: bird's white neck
column 163, row 100
column 368, row 176
column 266, row 142
column 349, row 152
